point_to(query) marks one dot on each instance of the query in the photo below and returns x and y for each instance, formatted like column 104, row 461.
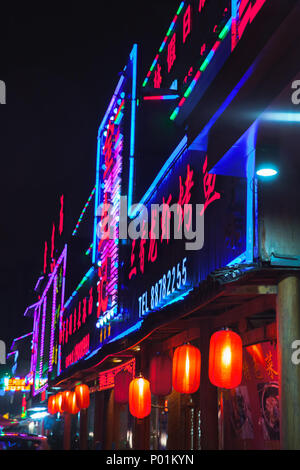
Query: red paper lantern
column 186, row 369
column 65, row 395
column 122, row 382
column 160, row 375
column 139, row 397
column 225, row 359
column 59, row 400
column 82, row 393
column 52, row 408
column 72, row 404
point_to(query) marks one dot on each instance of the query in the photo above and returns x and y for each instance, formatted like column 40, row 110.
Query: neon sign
column 192, row 33
column 113, row 161
column 16, row 384
column 79, row 351
column 198, row 30
column 47, row 316
column 92, row 310
column 163, row 268
column 244, row 13
column 77, row 332
column 107, row 377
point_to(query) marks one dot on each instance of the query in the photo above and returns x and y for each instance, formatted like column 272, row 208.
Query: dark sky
column 60, row 69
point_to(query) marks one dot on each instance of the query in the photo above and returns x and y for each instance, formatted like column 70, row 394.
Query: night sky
column 60, row 68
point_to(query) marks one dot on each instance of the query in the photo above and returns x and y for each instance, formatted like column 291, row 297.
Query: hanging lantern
column 72, row 404
column 65, row 397
column 160, row 375
column 186, row 369
column 52, row 408
column 139, row 397
column 59, row 400
column 82, row 393
column 122, row 382
column 225, row 359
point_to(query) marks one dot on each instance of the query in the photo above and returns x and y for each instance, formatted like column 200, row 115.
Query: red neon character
column 189, row 74
column 108, row 157
column 84, row 309
column 67, row 330
column 101, row 287
column 171, row 52
column 104, row 223
column 187, row 23
column 61, row 214
column 209, row 181
column 52, row 240
column 157, row 77
column 165, row 219
column 152, row 254
column 91, row 301
column 203, row 49
column 70, row 324
column 142, row 249
column 132, row 258
column 184, row 198
column 62, row 334
column 74, row 327
column 248, row 9
column 79, row 316
column 45, row 257
column 201, row 4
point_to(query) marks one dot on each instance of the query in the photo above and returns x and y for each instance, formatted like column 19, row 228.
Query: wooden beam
column 259, row 335
column 250, row 290
column 246, row 309
column 288, row 324
column 176, row 340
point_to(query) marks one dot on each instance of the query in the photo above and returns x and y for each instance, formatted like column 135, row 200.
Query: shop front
column 182, row 332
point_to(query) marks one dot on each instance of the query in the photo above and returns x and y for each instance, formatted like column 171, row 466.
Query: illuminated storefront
column 200, row 145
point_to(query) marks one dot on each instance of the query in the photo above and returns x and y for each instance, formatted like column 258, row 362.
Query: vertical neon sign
column 109, row 168
column 133, row 57
column 45, row 333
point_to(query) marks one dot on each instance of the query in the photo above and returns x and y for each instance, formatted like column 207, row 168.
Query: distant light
column 281, row 117
column 37, row 408
column 39, row 415
column 266, row 172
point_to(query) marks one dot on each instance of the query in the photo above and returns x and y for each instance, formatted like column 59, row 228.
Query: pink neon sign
column 143, row 250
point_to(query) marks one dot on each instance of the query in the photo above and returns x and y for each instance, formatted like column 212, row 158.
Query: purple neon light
column 38, row 282
column 18, row 339
column 62, row 307
column 42, row 304
column 109, row 249
column 52, row 324
column 43, row 336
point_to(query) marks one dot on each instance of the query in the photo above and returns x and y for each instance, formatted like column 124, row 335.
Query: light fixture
column 225, row 359
column 267, row 157
column 39, row 415
column 266, row 172
column 186, row 369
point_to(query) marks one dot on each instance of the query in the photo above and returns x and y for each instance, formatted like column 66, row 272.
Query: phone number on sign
column 167, row 285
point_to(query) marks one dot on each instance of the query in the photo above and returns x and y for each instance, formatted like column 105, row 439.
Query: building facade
column 194, row 228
